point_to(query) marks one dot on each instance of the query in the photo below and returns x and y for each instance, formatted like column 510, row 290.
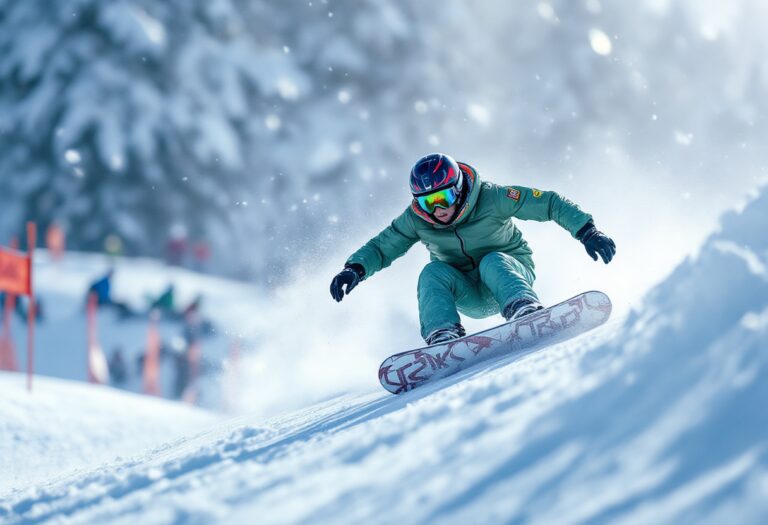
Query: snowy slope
column 65, row 426
column 658, row 419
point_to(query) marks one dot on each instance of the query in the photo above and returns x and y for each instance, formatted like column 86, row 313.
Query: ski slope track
column 656, row 418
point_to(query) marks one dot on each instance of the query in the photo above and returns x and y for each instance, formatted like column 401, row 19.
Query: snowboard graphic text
column 405, row 371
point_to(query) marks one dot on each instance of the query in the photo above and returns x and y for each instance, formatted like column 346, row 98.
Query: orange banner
column 14, row 272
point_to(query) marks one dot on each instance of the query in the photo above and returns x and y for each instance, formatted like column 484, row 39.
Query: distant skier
column 480, row 262
column 102, row 289
column 165, row 302
column 118, row 370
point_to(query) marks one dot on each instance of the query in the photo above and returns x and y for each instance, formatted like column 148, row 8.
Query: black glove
column 350, row 275
column 596, row 242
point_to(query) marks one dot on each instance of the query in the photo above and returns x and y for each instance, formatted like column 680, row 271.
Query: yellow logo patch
column 513, row 194
column 536, row 193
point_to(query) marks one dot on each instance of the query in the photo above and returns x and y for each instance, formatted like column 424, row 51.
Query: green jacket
column 483, row 225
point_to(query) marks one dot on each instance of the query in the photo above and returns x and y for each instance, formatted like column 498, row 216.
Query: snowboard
column 407, row 370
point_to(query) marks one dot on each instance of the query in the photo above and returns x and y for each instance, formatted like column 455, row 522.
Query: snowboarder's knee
column 437, row 272
column 499, row 261
column 492, row 261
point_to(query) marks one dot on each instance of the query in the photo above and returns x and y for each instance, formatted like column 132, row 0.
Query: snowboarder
column 480, row 263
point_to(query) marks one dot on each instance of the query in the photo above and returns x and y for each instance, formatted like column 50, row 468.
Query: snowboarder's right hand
column 350, row 276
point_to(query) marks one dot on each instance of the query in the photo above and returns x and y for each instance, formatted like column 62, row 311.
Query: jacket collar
column 473, row 189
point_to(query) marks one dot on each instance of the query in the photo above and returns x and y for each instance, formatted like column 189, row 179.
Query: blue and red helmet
column 435, row 172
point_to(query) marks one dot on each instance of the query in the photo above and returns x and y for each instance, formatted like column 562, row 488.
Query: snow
column 64, row 427
column 600, row 42
column 654, row 418
column 72, row 156
column 479, row 113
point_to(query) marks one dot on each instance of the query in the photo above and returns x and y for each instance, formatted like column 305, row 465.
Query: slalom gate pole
column 31, row 242
column 7, row 351
column 91, row 332
column 152, row 357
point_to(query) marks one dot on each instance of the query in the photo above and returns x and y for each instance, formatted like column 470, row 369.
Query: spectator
column 182, row 371
column 177, row 245
column 194, row 307
column 201, row 253
column 113, row 246
column 165, row 303
column 55, row 241
column 102, row 289
column 19, row 304
column 118, row 371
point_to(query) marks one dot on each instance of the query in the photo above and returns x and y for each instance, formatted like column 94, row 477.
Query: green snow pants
column 499, row 280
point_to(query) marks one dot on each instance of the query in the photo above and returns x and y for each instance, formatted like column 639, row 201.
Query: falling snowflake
column 600, row 42
column 72, row 156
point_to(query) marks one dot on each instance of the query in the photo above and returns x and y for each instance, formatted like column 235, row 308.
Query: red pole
column 31, row 242
column 152, row 358
column 7, row 351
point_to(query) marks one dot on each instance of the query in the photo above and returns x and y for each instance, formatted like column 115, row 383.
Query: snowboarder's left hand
column 596, row 242
column 350, row 276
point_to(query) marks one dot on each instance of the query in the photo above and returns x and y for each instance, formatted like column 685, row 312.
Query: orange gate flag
column 15, row 272
column 16, row 279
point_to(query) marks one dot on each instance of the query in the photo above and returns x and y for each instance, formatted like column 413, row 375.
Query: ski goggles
column 444, row 198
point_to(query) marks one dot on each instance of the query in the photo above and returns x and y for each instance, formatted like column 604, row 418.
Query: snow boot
column 441, row 335
column 520, row 308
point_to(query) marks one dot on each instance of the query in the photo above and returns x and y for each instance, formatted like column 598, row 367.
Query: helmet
column 434, row 172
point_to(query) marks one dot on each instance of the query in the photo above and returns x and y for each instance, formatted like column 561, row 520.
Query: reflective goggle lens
column 443, row 198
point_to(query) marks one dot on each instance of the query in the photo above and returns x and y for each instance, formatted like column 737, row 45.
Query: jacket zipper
column 461, row 243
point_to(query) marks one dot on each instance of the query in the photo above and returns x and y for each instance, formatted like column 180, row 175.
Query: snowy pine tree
column 115, row 119
column 247, row 122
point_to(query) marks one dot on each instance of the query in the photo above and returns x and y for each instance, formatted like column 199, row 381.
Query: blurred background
column 264, row 141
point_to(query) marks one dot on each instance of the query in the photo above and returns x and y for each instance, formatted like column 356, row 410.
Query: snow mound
column 63, row 426
column 659, row 419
